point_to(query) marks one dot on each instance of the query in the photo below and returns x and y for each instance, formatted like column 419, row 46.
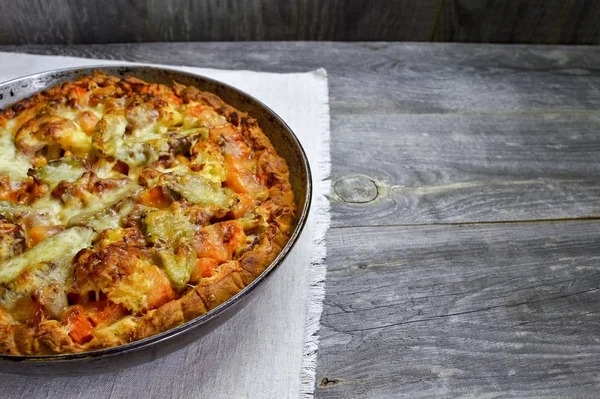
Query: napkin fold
column 268, row 349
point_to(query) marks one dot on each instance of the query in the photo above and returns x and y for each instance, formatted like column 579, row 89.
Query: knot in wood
column 356, row 189
column 326, row 382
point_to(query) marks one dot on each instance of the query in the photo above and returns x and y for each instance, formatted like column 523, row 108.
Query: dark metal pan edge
column 50, row 78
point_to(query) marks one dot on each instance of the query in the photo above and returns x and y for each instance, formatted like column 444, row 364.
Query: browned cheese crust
column 127, row 209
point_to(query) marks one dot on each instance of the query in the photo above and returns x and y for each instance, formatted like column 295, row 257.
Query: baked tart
column 128, row 208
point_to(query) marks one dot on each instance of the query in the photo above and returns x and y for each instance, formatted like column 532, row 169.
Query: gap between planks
column 587, row 218
column 385, row 111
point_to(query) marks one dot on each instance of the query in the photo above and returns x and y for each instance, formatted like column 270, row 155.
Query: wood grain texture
column 63, row 21
column 454, row 168
column 454, row 135
column 110, row 21
column 187, row 20
column 378, row 20
column 486, row 311
column 582, row 25
column 519, row 21
column 383, row 78
column 448, row 133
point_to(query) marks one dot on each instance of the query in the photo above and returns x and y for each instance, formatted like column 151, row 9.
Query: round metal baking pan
column 287, row 146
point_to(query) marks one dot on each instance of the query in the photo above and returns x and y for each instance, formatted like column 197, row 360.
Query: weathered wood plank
column 464, row 168
column 524, row 145
column 582, row 24
column 518, row 21
column 380, row 20
column 500, row 310
column 384, row 78
column 62, row 21
column 499, row 21
column 187, row 20
column 110, row 21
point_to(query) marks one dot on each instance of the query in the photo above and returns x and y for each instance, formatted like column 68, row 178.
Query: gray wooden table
column 464, row 256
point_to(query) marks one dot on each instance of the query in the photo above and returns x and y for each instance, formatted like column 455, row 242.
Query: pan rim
column 205, row 318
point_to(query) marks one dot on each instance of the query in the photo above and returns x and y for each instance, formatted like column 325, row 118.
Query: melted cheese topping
column 12, row 163
column 58, row 249
column 126, row 194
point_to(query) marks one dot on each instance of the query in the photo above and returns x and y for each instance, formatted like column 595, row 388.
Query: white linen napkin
column 267, row 350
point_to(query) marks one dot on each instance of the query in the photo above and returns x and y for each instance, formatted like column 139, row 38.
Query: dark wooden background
column 120, row 21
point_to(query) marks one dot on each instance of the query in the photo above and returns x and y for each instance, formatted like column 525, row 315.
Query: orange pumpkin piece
column 240, row 179
column 162, row 291
column 244, row 205
column 80, row 326
column 205, row 267
column 38, row 234
column 104, row 312
column 155, row 198
column 220, row 240
column 87, row 121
